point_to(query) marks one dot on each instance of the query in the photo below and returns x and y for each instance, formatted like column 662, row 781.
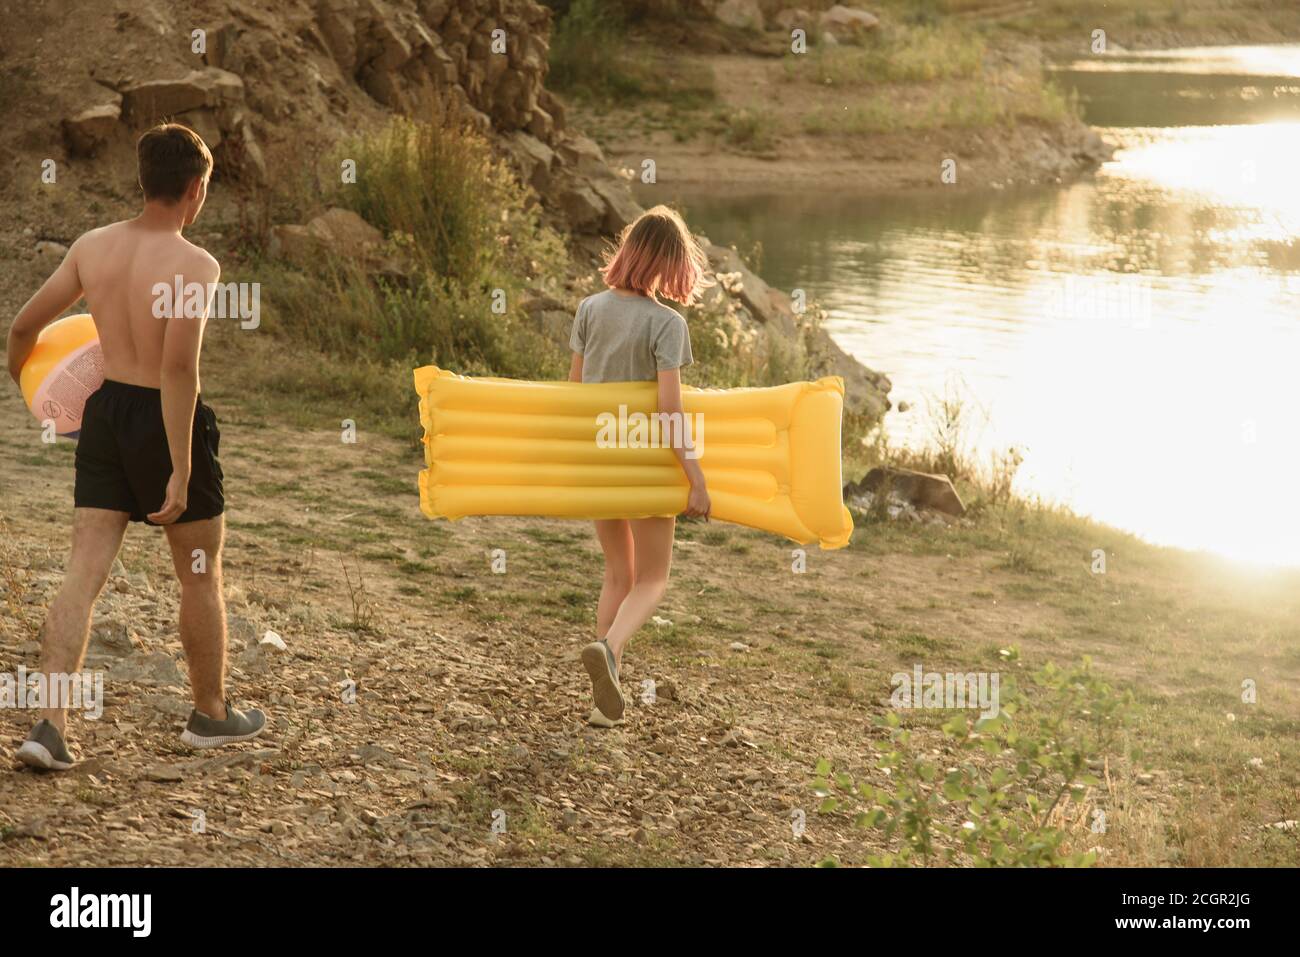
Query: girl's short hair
column 658, row 254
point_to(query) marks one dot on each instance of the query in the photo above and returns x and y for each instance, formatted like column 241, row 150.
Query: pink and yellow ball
column 65, row 367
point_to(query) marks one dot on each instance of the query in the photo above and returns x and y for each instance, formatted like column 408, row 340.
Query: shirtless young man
column 147, row 451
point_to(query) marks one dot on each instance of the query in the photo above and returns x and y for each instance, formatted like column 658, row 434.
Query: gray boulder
column 920, row 489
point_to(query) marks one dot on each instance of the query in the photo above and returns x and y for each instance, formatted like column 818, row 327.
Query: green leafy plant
column 1001, row 800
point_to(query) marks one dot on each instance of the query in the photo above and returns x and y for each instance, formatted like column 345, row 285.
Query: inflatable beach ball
column 66, row 366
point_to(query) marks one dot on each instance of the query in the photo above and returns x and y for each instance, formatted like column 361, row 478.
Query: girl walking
column 627, row 334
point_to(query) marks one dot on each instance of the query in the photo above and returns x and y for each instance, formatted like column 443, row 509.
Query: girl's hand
column 698, row 503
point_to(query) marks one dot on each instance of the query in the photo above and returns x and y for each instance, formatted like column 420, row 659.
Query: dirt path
column 469, row 694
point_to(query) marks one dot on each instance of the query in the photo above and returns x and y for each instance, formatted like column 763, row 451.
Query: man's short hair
column 170, row 156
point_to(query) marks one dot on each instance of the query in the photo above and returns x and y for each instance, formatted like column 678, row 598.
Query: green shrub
column 438, row 190
column 588, row 54
column 466, row 242
column 730, row 352
column 999, row 801
column 462, row 237
column 900, row 55
column 591, row 58
column 748, row 130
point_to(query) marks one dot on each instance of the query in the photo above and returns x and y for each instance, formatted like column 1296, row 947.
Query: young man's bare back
column 118, row 267
column 147, row 448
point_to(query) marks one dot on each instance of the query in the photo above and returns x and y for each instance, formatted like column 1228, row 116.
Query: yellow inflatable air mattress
column 771, row 456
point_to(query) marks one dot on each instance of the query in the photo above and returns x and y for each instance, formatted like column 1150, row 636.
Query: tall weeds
column 464, row 242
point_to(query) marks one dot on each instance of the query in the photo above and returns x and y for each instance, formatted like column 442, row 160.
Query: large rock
column 795, row 18
column 547, row 101
column 345, row 231
column 581, row 206
column 339, row 32
column 866, row 392
column 223, row 49
column 620, row 207
column 533, row 158
column 847, row 23
column 741, row 282
column 248, row 159
column 920, row 489
column 90, row 129
column 338, row 233
column 154, row 100
column 541, row 124
column 582, row 154
column 740, row 14
column 204, row 122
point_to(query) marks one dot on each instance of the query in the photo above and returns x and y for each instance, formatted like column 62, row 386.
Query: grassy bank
column 723, row 107
column 923, row 71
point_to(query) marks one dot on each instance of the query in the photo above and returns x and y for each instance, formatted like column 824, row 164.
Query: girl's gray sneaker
column 205, row 732
column 598, row 659
column 46, row 749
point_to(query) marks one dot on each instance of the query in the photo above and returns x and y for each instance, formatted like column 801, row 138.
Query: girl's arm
column 670, row 401
column 575, row 368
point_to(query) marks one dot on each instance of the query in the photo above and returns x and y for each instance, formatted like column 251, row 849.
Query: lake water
column 1135, row 334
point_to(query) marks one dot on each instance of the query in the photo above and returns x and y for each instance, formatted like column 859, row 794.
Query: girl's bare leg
column 615, row 537
column 652, row 553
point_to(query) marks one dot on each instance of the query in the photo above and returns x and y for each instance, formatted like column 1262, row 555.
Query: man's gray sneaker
column 45, row 749
column 205, row 732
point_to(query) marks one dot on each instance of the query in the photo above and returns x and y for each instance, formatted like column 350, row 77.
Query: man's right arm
column 60, row 291
column 179, row 377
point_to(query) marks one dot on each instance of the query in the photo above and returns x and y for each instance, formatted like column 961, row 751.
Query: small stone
column 50, row 251
column 374, row 754
column 164, row 773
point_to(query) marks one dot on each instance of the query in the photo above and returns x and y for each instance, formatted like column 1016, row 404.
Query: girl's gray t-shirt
column 628, row 338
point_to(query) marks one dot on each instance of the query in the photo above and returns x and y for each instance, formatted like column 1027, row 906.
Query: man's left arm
column 60, row 291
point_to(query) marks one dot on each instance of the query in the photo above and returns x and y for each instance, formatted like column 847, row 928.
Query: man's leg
column 196, row 556
column 96, row 537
